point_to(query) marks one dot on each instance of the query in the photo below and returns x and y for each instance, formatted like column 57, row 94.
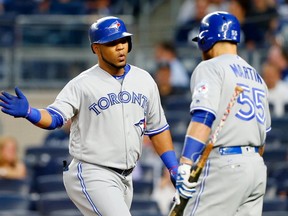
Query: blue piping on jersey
column 79, row 174
column 268, row 129
column 154, row 132
column 203, row 108
column 202, row 186
column 126, row 70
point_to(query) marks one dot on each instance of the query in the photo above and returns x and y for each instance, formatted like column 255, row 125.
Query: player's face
column 113, row 55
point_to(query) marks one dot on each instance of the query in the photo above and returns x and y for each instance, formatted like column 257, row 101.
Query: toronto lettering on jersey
column 113, row 99
column 246, row 72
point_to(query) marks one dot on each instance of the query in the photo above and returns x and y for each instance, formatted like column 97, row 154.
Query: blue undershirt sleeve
column 203, row 117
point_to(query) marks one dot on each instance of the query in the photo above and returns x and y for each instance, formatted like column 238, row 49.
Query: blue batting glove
column 16, row 106
column 184, row 188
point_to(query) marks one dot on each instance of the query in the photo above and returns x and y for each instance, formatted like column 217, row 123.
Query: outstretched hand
column 16, row 106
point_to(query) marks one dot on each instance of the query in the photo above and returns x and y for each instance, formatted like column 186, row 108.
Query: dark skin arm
column 45, row 120
column 162, row 142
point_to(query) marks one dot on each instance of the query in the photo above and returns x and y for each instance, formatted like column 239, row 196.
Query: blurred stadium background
column 41, row 50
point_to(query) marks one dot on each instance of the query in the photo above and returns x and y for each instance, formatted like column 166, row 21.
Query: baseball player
column 233, row 180
column 112, row 105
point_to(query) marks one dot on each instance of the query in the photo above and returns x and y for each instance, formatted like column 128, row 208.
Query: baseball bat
column 177, row 210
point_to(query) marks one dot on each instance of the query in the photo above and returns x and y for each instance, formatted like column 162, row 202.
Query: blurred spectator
column 218, row 5
column 2, row 7
column 131, row 7
column 43, row 7
column 59, row 137
column 282, row 36
column 163, row 192
column 263, row 22
column 186, row 11
column 20, row 6
column 277, row 88
column 150, row 157
column 282, row 42
column 239, row 8
column 278, row 56
column 69, row 7
column 162, row 77
column 187, row 29
column 99, row 7
column 283, row 8
column 166, row 52
column 10, row 165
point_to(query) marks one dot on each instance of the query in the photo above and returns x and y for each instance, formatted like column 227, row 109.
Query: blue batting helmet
column 217, row 26
column 108, row 29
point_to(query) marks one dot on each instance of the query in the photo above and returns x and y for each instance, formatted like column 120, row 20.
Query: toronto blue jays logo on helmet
column 141, row 125
column 115, row 25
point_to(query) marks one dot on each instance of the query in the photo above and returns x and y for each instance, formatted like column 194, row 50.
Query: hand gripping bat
column 177, row 210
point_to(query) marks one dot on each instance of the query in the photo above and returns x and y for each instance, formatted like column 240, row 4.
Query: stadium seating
column 50, row 202
column 69, row 212
column 14, row 186
column 144, row 204
column 14, row 201
column 147, row 172
column 274, row 155
column 19, row 213
column 142, row 187
column 178, row 103
column 275, row 213
column 274, row 204
column 42, row 160
column 50, row 183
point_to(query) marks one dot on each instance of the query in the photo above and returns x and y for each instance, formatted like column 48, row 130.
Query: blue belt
column 237, row 150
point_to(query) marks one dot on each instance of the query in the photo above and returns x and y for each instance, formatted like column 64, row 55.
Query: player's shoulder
column 137, row 71
column 78, row 80
column 86, row 74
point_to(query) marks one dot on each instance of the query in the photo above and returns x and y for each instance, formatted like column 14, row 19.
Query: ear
column 94, row 48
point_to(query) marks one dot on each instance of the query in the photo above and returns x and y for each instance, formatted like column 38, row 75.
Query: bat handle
column 177, row 210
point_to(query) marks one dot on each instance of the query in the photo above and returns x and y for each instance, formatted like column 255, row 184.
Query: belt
column 237, row 150
column 122, row 172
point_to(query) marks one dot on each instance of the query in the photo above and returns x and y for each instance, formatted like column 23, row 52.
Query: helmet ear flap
column 129, row 43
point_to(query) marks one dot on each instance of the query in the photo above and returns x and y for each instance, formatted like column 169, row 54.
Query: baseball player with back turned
column 233, row 180
column 111, row 105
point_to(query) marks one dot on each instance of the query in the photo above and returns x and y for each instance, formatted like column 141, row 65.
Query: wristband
column 33, row 115
column 192, row 148
column 57, row 119
column 170, row 160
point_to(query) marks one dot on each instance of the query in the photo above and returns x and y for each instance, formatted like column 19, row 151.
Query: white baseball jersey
column 212, row 85
column 109, row 119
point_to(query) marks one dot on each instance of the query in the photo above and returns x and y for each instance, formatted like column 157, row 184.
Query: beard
column 112, row 64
